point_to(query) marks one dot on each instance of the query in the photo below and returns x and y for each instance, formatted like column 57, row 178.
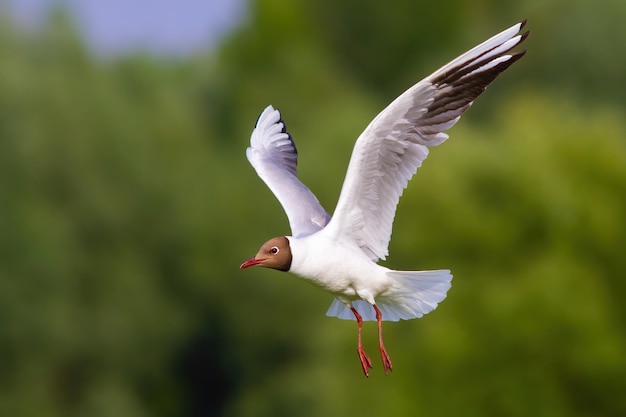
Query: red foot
column 366, row 362
column 383, row 352
column 386, row 360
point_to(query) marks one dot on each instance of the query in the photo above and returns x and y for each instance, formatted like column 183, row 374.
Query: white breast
column 337, row 267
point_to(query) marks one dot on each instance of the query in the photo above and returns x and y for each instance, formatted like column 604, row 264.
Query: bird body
column 338, row 267
column 340, row 253
column 345, row 271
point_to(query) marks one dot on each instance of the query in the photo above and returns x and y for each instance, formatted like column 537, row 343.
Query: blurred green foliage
column 127, row 204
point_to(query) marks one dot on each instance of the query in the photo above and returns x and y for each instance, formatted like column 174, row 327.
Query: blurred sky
column 162, row 26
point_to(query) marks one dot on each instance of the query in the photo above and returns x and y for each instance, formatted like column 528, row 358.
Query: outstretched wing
column 273, row 155
column 393, row 146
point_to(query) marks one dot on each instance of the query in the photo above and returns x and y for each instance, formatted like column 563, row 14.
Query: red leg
column 383, row 352
column 366, row 363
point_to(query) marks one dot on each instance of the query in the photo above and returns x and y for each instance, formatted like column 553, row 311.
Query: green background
column 127, row 205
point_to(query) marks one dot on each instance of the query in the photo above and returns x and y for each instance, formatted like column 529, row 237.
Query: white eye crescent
column 274, row 250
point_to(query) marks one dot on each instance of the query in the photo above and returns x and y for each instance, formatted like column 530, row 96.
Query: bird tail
column 413, row 294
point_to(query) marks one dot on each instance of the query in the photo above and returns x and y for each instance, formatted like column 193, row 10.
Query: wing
column 273, row 155
column 393, row 146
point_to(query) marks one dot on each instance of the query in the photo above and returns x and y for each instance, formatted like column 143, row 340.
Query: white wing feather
column 273, row 155
column 393, row 146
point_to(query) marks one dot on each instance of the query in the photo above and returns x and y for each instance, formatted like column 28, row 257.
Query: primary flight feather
column 339, row 254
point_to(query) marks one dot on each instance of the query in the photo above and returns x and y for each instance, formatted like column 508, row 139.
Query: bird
column 340, row 254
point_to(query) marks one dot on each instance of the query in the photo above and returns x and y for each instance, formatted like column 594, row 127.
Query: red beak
column 250, row 262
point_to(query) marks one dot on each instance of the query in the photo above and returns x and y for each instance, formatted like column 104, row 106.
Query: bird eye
column 274, row 250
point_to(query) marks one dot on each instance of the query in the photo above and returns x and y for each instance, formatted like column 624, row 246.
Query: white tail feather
column 413, row 294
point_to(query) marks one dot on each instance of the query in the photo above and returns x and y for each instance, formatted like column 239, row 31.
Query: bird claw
column 366, row 362
column 386, row 360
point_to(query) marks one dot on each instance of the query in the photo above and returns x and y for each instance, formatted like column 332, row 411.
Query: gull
column 340, row 253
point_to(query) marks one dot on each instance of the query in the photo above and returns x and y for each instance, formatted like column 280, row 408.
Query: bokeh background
column 127, row 205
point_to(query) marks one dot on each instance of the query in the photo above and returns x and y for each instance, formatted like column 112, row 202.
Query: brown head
column 275, row 254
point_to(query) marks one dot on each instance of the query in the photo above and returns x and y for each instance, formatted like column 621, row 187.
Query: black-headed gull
column 339, row 254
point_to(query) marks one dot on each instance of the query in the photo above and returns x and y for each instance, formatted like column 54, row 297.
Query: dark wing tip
column 284, row 130
column 515, row 56
column 524, row 36
column 467, row 81
column 280, row 119
column 286, row 154
column 523, row 23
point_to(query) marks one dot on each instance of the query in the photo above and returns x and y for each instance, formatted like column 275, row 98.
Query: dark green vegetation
column 127, row 205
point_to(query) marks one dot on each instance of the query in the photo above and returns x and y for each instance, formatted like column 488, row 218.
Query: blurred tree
column 90, row 232
column 385, row 46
